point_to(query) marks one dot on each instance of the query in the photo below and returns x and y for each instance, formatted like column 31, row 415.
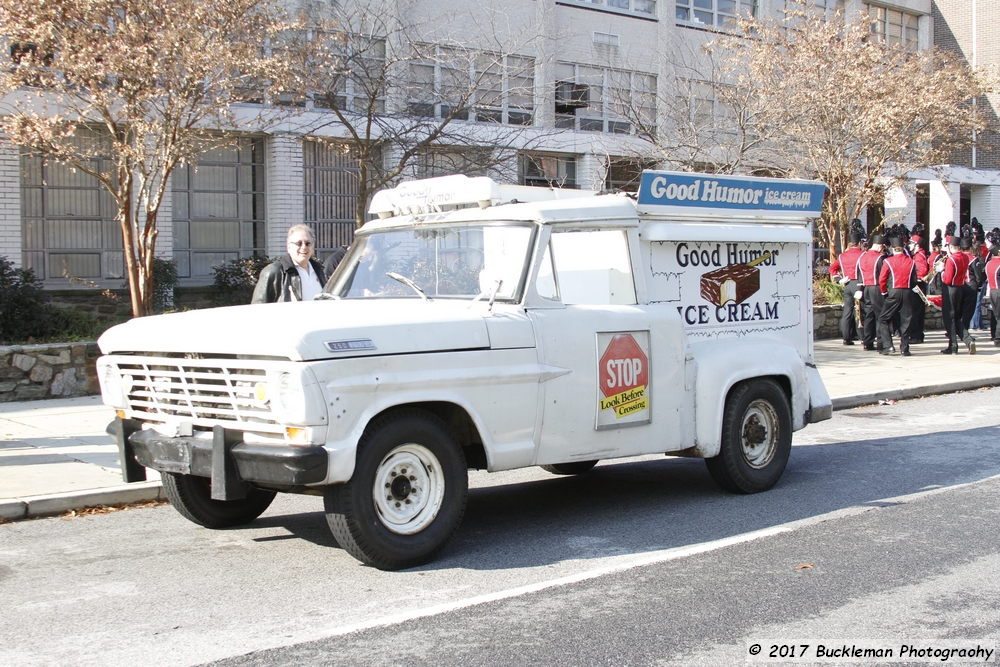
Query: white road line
column 633, row 562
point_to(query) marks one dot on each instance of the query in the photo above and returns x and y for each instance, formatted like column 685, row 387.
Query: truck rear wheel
column 574, row 468
column 756, row 438
column 407, row 495
column 192, row 497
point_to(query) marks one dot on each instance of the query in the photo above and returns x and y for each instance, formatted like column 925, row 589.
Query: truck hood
column 308, row 330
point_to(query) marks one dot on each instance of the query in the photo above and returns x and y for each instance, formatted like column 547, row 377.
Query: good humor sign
column 730, row 194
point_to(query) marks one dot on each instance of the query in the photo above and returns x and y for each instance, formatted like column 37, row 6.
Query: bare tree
column 849, row 109
column 450, row 90
column 711, row 115
column 136, row 86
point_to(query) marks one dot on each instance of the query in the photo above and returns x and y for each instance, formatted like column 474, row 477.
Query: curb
column 900, row 393
column 13, row 509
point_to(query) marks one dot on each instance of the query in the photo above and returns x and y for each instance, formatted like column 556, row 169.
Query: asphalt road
column 882, row 529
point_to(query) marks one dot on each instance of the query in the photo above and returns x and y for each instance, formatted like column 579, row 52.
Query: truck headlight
column 289, row 394
column 112, row 389
column 296, row 398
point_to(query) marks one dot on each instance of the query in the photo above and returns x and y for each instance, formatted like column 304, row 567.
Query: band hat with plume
column 993, row 238
column 978, row 233
column 899, row 231
column 857, row 232
column 965, row 240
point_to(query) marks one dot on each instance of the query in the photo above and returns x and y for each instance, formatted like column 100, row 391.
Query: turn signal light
column 296, row 436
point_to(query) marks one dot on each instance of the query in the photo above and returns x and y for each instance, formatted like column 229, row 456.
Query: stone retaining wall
column 48, row 371
column 96, row 302
column 826, row 321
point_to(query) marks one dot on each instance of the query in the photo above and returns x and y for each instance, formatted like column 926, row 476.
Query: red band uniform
column 869, row 265
column 846, row 266
column 918, row 309
column 993, row 284
column 897, row 278
column 956, row 298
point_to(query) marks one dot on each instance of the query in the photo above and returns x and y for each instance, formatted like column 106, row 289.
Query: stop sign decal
column 623, row 378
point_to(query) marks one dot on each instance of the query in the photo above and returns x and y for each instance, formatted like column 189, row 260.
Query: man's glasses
column 299, row 244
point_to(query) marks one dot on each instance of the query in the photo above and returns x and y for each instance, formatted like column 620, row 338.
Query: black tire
column 574, row 468
column 756, row 438
column 415, row 463
column 192, row 497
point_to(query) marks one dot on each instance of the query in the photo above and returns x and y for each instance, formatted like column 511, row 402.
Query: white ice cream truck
column 484, row 326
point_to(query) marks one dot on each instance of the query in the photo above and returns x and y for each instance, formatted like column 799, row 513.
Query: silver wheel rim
column 409, row 489
column 759, row 433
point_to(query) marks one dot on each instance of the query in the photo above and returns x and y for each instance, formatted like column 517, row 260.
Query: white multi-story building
column 564, row 64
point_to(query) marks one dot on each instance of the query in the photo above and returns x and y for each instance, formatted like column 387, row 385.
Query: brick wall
column 10, row 201
column 285, row 206
column 953, row 30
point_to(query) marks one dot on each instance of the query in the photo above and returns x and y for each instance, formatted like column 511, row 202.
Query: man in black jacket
column 296, row 276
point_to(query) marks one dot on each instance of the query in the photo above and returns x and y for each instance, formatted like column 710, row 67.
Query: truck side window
column 592, row 267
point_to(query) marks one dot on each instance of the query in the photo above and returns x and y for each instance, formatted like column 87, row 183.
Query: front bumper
column 224, row 458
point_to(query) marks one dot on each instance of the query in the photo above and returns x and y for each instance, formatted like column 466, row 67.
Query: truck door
column 623, row 364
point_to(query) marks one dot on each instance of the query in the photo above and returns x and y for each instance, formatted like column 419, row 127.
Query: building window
column 827, row 8
column 641, row 8
column 547, row 171
column 714, row 14
column 218, row 208
column 332, row 174
column 894, row 27
column 68, row 220
column 625, row 173
column 596, row 99
column 451, row 82
column 445, row 162
column 357, row 79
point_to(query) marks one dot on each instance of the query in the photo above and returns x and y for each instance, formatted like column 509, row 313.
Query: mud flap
column 820, row 405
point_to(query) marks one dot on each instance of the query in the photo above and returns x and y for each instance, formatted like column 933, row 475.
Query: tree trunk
column 132, row 268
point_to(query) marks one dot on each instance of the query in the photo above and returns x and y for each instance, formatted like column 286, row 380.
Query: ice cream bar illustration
column 736, row 283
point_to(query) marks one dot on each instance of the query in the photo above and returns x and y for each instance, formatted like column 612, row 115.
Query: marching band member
column 869, row 265
column 917, row 306
column 956, row 297
column 845, row 271
column 897, row 278
column 993, row 281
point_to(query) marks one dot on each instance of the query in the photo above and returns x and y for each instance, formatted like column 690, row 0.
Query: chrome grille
column 199, row 391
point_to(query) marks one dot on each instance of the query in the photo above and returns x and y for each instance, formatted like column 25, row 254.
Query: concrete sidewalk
column 55, row 455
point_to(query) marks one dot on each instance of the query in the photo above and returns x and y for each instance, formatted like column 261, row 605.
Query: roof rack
column 434, row 195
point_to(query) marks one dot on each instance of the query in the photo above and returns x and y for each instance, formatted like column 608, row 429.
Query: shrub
column 826, row 292
column 70, row 325
column 235, row 281
column 27, row 317
column 164, row 281
column 24, row 312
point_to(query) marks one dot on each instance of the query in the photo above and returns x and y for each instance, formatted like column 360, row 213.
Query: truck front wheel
column 407, row 495
column 756, row 438
column 192, row 497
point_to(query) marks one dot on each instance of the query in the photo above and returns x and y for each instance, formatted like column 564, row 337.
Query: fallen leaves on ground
column 109, row 509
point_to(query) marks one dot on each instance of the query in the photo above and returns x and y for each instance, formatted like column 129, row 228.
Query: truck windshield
column 455, row 262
